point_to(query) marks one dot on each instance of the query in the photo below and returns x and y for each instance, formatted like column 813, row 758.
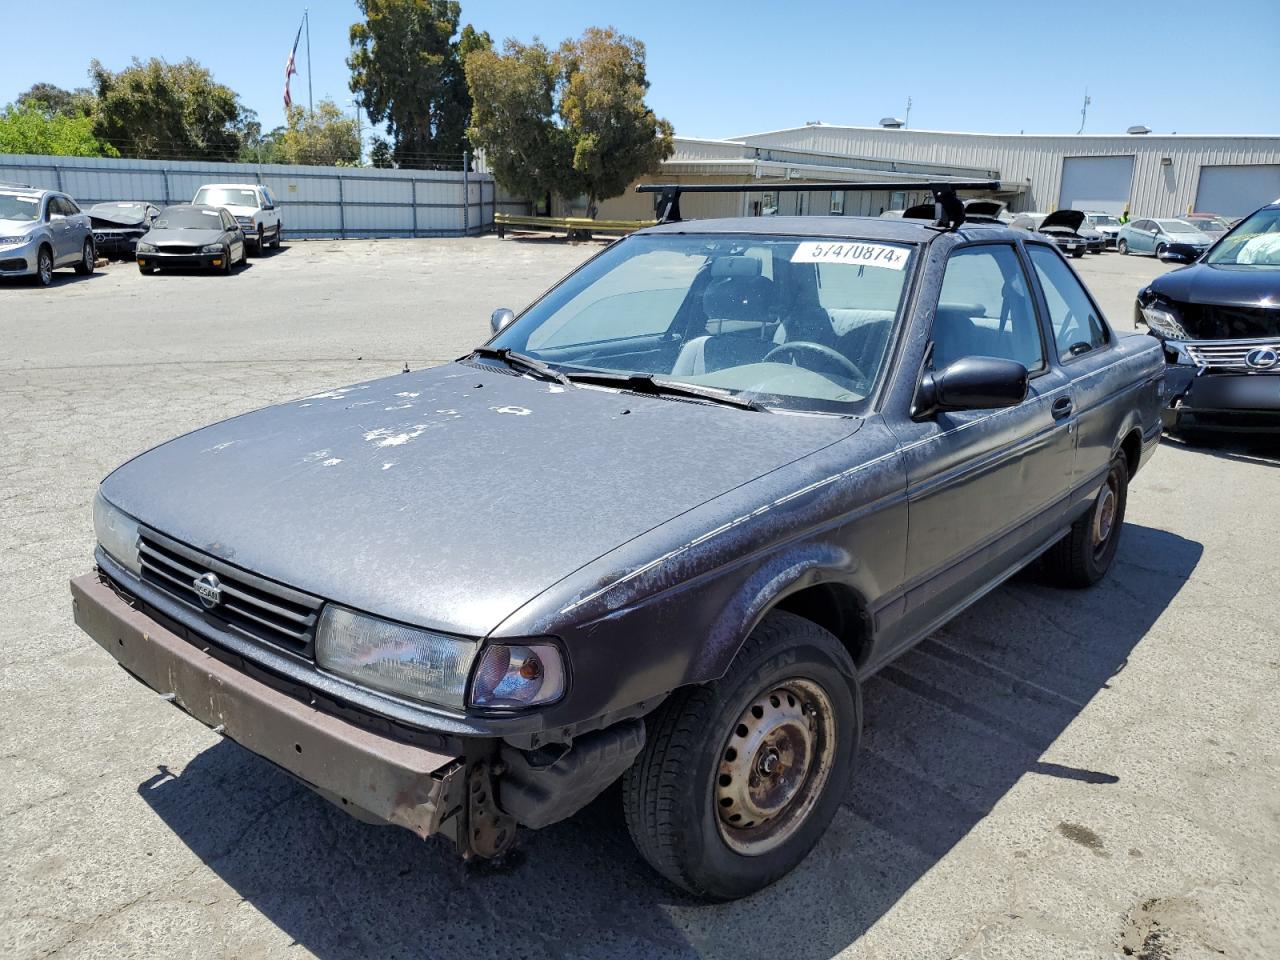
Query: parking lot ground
column 1054, row 774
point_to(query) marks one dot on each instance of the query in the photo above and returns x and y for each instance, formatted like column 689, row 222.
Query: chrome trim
column 1224, row 354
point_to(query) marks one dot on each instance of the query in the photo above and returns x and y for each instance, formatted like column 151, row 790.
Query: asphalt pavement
column 1055, row 774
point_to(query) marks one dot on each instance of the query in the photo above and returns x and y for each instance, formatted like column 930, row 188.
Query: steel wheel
column 1104, row 513
column 774, row 766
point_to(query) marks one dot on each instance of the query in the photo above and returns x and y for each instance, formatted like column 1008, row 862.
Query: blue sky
column 723, row 69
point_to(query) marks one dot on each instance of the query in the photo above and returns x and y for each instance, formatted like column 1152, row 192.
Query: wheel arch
column 1131, row 447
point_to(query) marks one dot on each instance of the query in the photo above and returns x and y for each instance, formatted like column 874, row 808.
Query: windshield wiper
column 521, row 362
column 646, row 384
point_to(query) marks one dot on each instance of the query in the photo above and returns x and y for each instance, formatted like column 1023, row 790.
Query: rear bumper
column 1236, row 402
column 390, row 780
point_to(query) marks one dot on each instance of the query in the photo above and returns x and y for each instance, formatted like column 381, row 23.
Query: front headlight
column 211, row 248
column 416, row 663
column 146, row 247
column 1163, row 321
column 117, row 533
column 7, row 241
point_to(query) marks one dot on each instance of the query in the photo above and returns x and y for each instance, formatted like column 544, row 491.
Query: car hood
column 239, row 210
column 13, row 228
column 1222, row 285
column 124, row 218
column 449, row 498
column 190, row 236
column 1196, row 239
column 1068, row 219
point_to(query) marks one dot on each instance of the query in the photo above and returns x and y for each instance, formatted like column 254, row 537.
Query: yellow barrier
column 571, row 226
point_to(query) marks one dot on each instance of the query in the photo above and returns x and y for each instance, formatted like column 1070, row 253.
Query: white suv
column 252, row 205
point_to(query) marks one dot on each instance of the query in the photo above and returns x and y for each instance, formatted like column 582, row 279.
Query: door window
column 985, row 310
column 1077, row 327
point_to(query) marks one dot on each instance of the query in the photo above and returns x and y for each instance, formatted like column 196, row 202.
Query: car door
column 59, row 230
column 235, row 239
column 1081, row 343
column 985, row 487
column 79, row 227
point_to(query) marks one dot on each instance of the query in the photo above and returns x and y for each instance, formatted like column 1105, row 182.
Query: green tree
column 615, row 135
column 30, row 130
column 380, row 154
column 513, row 118
column 406, row 68
column 50, row 99
column 160, row 110
column 568, row 122
column 322, row 137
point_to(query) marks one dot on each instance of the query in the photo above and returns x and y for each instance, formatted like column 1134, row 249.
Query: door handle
column 1062, row 407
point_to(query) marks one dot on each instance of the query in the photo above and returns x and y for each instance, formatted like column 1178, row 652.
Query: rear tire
column 87, row 259
column 1084, row 555
column 720, row 824
column 275, row 239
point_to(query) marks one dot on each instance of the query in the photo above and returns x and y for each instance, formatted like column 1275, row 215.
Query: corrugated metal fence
column 315, row 202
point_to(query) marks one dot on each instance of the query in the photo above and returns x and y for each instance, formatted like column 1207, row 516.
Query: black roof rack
column 948, row 208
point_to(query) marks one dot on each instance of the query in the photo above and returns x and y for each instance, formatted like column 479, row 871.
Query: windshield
column 802, row 323
column 15, row 206
column 227, row 196
column 1103, row 220
column 1255, row 242
column 188, row 218
column 1176, row 226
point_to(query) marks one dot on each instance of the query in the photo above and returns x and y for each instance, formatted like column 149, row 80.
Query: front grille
column 178, row 248
column 1224, row 354
column 251, row 605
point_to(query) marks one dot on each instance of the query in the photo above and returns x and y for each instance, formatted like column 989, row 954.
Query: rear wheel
column 275, row 239
column 1083, row 556
column 87, row 259
column 1122, row 246
column 741, row 777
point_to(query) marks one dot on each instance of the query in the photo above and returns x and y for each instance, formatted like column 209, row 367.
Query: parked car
column 118, row 225
column 254, row 208
column 796, row 446
column 1065, row 227
column 192, row 235
column 41, row 230
column 1106, row 224
column 1210, row 224
column 1219, row 324
column 1160, row 238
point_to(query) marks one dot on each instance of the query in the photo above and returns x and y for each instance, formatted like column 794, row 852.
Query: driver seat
column 738, row 298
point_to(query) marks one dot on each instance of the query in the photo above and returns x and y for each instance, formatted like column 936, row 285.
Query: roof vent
column 1138, row 130
column 813, row 123
column 892, row 123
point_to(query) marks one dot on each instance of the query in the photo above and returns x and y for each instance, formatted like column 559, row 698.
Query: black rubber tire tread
column 653, row 787
column 1070, row 562
column 92, row 260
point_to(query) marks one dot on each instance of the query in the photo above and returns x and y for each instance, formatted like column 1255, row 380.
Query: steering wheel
column 826, row 353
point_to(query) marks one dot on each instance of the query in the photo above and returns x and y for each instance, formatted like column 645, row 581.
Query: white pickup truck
column 254, row 208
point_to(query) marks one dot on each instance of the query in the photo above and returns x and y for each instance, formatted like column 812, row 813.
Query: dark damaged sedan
column 119, row 225
column 1219, row 323
column 662, row 527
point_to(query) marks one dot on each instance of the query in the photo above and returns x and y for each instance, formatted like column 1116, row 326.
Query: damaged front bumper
column 379, row 777
column 1209, row 400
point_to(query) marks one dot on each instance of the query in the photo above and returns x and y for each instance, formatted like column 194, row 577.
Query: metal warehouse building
column 1150, row 174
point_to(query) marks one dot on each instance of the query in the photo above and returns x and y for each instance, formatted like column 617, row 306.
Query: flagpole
column 306, row 18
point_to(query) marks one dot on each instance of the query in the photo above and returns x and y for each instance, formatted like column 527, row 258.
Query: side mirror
column 500, row 319
column 971, row 383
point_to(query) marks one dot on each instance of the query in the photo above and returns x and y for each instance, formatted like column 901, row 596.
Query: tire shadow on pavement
column 950, row 728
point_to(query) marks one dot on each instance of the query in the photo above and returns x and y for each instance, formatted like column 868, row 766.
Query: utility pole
column 306, row 16
column 359, row 126
column 906, row 121
column 1084, row 109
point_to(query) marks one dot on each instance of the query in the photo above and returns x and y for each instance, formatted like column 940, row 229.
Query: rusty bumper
column 396, row 782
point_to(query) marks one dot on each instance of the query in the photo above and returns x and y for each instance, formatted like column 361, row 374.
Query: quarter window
column 1077, row 328
column 985, row 310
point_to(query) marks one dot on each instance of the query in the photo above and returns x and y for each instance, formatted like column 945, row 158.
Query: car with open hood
column 192, row 236
column 1218, row 321
column 660, row 528
column 1168, row 239
column 1067, row 228
column 118, row 225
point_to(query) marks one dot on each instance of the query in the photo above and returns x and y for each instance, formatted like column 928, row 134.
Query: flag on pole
column 290, row 68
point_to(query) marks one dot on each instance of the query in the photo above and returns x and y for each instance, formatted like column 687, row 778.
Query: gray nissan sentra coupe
column 660, row 528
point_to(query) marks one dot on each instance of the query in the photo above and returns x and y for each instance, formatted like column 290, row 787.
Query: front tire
column 1084, row 555
column 741, row 777
column 1122, row 247
column 44, row 267
column 87, row 260
column 1160, row 251
column 1077, row 253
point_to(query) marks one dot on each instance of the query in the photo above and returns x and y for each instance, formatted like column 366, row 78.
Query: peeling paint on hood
column 456, row 510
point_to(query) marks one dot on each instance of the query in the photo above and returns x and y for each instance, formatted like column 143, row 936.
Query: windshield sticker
column 857, row 254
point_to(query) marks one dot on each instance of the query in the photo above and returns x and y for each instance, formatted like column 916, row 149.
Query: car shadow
column 1239, row 447
column 950, row 728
